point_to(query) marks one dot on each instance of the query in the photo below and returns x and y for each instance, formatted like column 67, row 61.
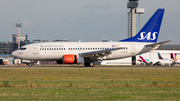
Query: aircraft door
column 35, row 49
column 133, row 50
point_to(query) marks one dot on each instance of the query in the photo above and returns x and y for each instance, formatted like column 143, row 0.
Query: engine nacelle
column 72, row 59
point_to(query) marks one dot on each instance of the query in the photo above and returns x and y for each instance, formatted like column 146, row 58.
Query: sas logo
column 148, row 36
column 115, row 46
column 20, row 53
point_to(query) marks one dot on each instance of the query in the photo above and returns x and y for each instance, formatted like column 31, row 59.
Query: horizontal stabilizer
column 155, row 44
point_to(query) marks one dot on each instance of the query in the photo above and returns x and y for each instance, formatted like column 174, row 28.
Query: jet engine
column 72, row 59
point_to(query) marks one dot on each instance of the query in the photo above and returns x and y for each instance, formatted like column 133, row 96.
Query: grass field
column 89, row 84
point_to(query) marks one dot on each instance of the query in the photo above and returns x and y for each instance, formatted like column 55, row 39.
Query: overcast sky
column 87, row 20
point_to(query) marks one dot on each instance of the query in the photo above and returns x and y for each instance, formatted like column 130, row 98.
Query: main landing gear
column 29, row 64
column 89, row 64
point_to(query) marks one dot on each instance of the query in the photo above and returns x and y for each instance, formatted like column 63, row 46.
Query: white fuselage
column 177, row 61
column 55, row 50
column 161, row 61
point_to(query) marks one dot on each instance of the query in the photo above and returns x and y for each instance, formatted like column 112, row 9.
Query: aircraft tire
column 150, row 64
column 86, row 64
column 30, row 65
column 91, row 64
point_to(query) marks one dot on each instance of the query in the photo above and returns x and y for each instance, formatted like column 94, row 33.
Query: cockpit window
column 23, row 48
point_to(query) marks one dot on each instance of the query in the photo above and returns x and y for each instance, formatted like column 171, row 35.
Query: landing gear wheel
column 30, row 65
column 91, row 64
column 86, row 64
column 150, row 64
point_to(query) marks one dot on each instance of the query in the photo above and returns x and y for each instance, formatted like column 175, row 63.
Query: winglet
column 156, row 44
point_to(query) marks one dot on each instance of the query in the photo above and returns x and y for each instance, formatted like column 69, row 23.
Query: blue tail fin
column 150, row 31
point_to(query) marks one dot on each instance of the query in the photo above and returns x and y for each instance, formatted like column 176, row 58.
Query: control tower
column 132, row 4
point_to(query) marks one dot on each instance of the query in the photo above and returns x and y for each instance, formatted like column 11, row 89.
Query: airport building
column 39, row 41
column 23, row 38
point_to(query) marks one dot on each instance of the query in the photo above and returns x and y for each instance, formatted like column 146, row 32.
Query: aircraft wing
column 156, row 44
column 100, row 53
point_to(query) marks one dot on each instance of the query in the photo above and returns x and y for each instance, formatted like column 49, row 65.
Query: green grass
column 89, row 84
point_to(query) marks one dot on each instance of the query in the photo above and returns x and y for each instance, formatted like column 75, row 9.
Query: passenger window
column 23, row 48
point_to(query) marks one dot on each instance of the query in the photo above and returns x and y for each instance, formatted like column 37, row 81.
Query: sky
column 86, row 20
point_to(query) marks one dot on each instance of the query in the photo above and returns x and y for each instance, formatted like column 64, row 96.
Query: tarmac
column 130, row 67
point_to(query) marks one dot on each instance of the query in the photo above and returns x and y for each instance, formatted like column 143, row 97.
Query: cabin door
column 133, row 50
column 35, row 49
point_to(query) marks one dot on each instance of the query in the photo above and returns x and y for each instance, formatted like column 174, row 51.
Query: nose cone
column 14, row 53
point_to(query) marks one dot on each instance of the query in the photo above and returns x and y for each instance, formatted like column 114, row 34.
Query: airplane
column 160, row 61
column 160, row 57
column 88, row 52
